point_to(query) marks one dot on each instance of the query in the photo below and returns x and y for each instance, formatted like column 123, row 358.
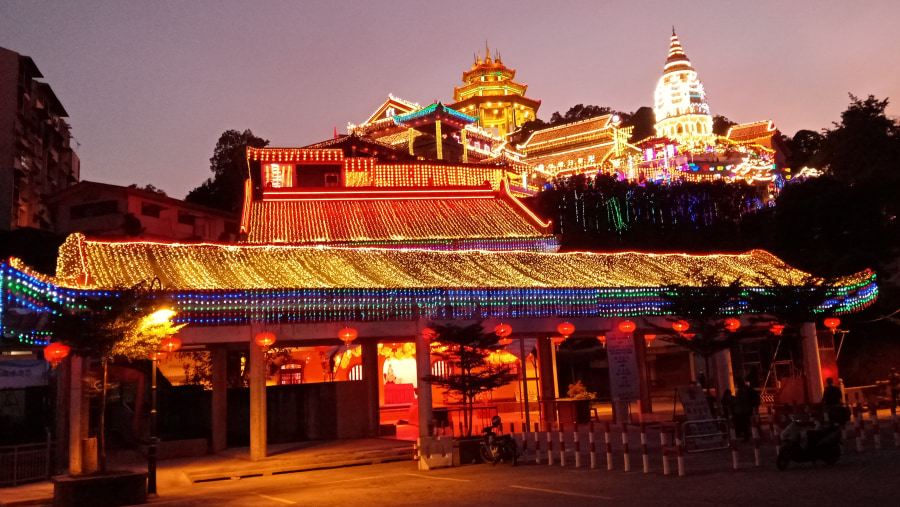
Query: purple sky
column 150, row 86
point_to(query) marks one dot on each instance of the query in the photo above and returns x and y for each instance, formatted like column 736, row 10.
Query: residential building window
column 148, row 209
column 94, row 209
column 186, row 218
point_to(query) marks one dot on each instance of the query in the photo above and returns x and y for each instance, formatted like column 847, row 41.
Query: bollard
column 577, row 447
column 550, row 444
column 754, row 429
column 859, row 437
column 896, row 426
column 609, row 456
column 876, row 428
column 772, row 425
column 537, row 444
column 734, row 450
column 627, row 466
column 562, row 446
column 645, row 456
column 777, row 434
column 665, row 451
column 680, row 449
column 524, row 442
column 593, row 445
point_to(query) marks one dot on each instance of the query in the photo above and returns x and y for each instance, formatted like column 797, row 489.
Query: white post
column 812, row 366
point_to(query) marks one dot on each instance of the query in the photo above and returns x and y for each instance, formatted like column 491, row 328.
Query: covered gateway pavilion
column 305, row 295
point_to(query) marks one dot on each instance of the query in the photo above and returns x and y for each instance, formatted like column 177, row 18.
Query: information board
column 623, row 371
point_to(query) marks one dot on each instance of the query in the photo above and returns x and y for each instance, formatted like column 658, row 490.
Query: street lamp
column 167, row 346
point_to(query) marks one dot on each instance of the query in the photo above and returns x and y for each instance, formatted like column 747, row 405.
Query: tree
column 864, row 147
column 803, row 147
column 149, row 187
column 125, row 326
column 225, row 190
column 704, row 306
column 644, row 122
column 721, row 125
column 579, row 112
column 465, row 351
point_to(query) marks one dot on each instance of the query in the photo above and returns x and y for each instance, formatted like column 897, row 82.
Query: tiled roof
column 570, row 132
column 229, row 267
column 751, row 131
column 426, row 218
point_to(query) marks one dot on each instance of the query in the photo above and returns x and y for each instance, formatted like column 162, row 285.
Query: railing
column 25, row 463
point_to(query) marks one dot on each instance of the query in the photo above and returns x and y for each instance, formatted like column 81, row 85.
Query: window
column 148, row 209
column 186, row 218
column 94, row 209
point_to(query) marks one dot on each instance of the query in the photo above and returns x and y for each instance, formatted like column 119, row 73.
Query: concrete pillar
column 219, row 399
column 462, row 136
column 812, row 366
column 411, row 137
column 370, row 375
column 640, row 347
column 423, row 369
column 77, row 431
column 257, row 364
column 547, row 380
column 724, row 377
column 61, row 431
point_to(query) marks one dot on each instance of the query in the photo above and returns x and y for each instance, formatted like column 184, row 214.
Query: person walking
column 832, row 402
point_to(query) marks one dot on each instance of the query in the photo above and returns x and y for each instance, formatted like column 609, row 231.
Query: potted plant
column 577, row 407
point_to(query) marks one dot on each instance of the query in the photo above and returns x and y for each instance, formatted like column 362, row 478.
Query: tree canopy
column 225, row 190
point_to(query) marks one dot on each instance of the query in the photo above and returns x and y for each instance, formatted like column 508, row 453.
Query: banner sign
column 21, row 374
column 623, row 371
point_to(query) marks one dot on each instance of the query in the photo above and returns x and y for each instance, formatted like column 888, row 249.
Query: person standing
column 894, row 386
column 746, row 402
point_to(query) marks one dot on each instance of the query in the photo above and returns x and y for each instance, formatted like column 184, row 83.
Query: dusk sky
column 150, row 85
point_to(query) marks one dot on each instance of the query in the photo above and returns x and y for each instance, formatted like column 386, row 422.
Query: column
column 546, row 380
column 257, row 364
column 462, row 136
column 77, row 431
column 645, row 405
column 219, row 399
column 411, row 135
column 423, row 369
column 812, row 366
column 724, row 377
column 370, row 375
column 439, row 139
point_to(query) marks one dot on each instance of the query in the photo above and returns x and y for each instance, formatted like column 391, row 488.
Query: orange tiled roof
column 425, row 217
column 751, row 131
column 570, row 132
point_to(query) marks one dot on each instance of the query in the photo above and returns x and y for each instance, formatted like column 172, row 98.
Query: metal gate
column 25, row 463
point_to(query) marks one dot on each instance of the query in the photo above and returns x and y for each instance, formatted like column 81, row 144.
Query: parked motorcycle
column 802, row 443
column 496, row 448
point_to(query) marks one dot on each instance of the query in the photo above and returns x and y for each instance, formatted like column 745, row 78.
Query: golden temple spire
column 487, row 52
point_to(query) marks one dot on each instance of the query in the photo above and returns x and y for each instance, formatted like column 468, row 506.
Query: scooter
column 802, row 444
column 496, row 448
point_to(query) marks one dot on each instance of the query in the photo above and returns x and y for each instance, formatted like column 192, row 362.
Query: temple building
column 680, row 104
column 491, row 95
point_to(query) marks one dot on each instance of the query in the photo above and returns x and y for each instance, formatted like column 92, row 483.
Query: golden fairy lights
column 349, row 220
column 210, row 266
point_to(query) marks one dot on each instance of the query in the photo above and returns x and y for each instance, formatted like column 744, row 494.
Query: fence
column 25, row 463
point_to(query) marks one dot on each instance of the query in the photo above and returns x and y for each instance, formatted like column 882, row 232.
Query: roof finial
column 487, row 52
column 673, row 30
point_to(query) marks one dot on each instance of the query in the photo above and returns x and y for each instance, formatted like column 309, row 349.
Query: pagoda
column 680, row 104
column 490, row 94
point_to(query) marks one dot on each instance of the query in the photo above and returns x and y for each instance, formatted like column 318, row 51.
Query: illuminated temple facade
column 399, row 226
column 682, row 113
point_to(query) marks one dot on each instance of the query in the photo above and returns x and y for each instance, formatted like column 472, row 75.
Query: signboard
column 694, row 403
column 705, row 435
column 623, row 371
column 21, row 374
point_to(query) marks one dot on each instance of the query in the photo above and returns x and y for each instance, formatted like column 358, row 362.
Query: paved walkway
column 233, row 463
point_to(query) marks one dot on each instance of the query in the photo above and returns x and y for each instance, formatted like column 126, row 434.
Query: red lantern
column 565, row 329
column 347, row 335
column 649, row 338
column 602, row 339
column 732, row 324
column 503, row 330
column 265, row 340
column 170, row 344
column 557, row 340
column 688, row 336
column 626, row 326
column 681, row 326
column 159, row 355
column 56, row 352
column 504, row 341
column 429, row 334
column 832, row 323
column 777, row 329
